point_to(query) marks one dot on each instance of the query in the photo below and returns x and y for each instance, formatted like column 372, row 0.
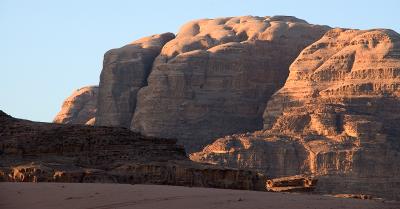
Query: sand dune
column 123, row 196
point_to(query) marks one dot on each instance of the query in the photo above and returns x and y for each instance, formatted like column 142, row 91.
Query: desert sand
column 113, row 196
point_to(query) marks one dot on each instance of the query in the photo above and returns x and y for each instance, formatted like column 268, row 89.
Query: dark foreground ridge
column 47, row 152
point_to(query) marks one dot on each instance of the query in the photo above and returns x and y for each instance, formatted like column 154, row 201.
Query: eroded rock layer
column 80, row 107
column 37, row 152
column 125, row 71
column 336, row 117
column 217, row 75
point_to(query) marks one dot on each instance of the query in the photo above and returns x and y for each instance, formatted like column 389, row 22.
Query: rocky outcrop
column 84, row 145
column 125, row 71
column 274, row 156
column 37, row 152
column 298, row 183
column 336, row 117
column 217, row 75
column 80, row 107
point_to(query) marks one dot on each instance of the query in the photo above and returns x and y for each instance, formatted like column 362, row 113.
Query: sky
column 49, row 48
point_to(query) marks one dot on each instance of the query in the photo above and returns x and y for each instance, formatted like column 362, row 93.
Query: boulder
column 298, row 183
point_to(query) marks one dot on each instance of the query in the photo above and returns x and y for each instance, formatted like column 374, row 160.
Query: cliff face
column 37, row 152
column 80, row 107
column 125, row 71
column 335, row 117
column 216, row 76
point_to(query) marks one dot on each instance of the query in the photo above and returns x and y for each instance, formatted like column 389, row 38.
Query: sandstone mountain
column 45, row 152
column 216, row 76
column 336, row 117
column 80, row 107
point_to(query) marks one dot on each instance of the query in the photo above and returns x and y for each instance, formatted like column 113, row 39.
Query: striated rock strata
column 80, row 107
column 336, row 117
column 217, row 75
column 37, row 152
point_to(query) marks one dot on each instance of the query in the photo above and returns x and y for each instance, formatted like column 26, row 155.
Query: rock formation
column 336, row 117
column 125, row 71
column 214, row 78
column 80, row 107
column 37, row 152
column 217, row 75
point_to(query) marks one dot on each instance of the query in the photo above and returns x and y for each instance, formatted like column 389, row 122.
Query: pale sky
column 49, row 48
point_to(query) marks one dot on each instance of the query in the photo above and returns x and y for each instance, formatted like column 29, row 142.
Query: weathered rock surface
column 36, row 152
column 80, row 107
column 217, row 75
column 336, row 117
column 125, row 71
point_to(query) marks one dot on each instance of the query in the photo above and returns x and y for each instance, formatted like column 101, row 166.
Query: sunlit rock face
column 217, row 75
column 336, row 117
column 125, row 71
column 80, row 107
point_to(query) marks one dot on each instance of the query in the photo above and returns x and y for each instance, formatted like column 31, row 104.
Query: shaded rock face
column 217, row 75
column 83, row 145
column 336, row 117
column 80, row 107
column 44, row 152
column 125, row 71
